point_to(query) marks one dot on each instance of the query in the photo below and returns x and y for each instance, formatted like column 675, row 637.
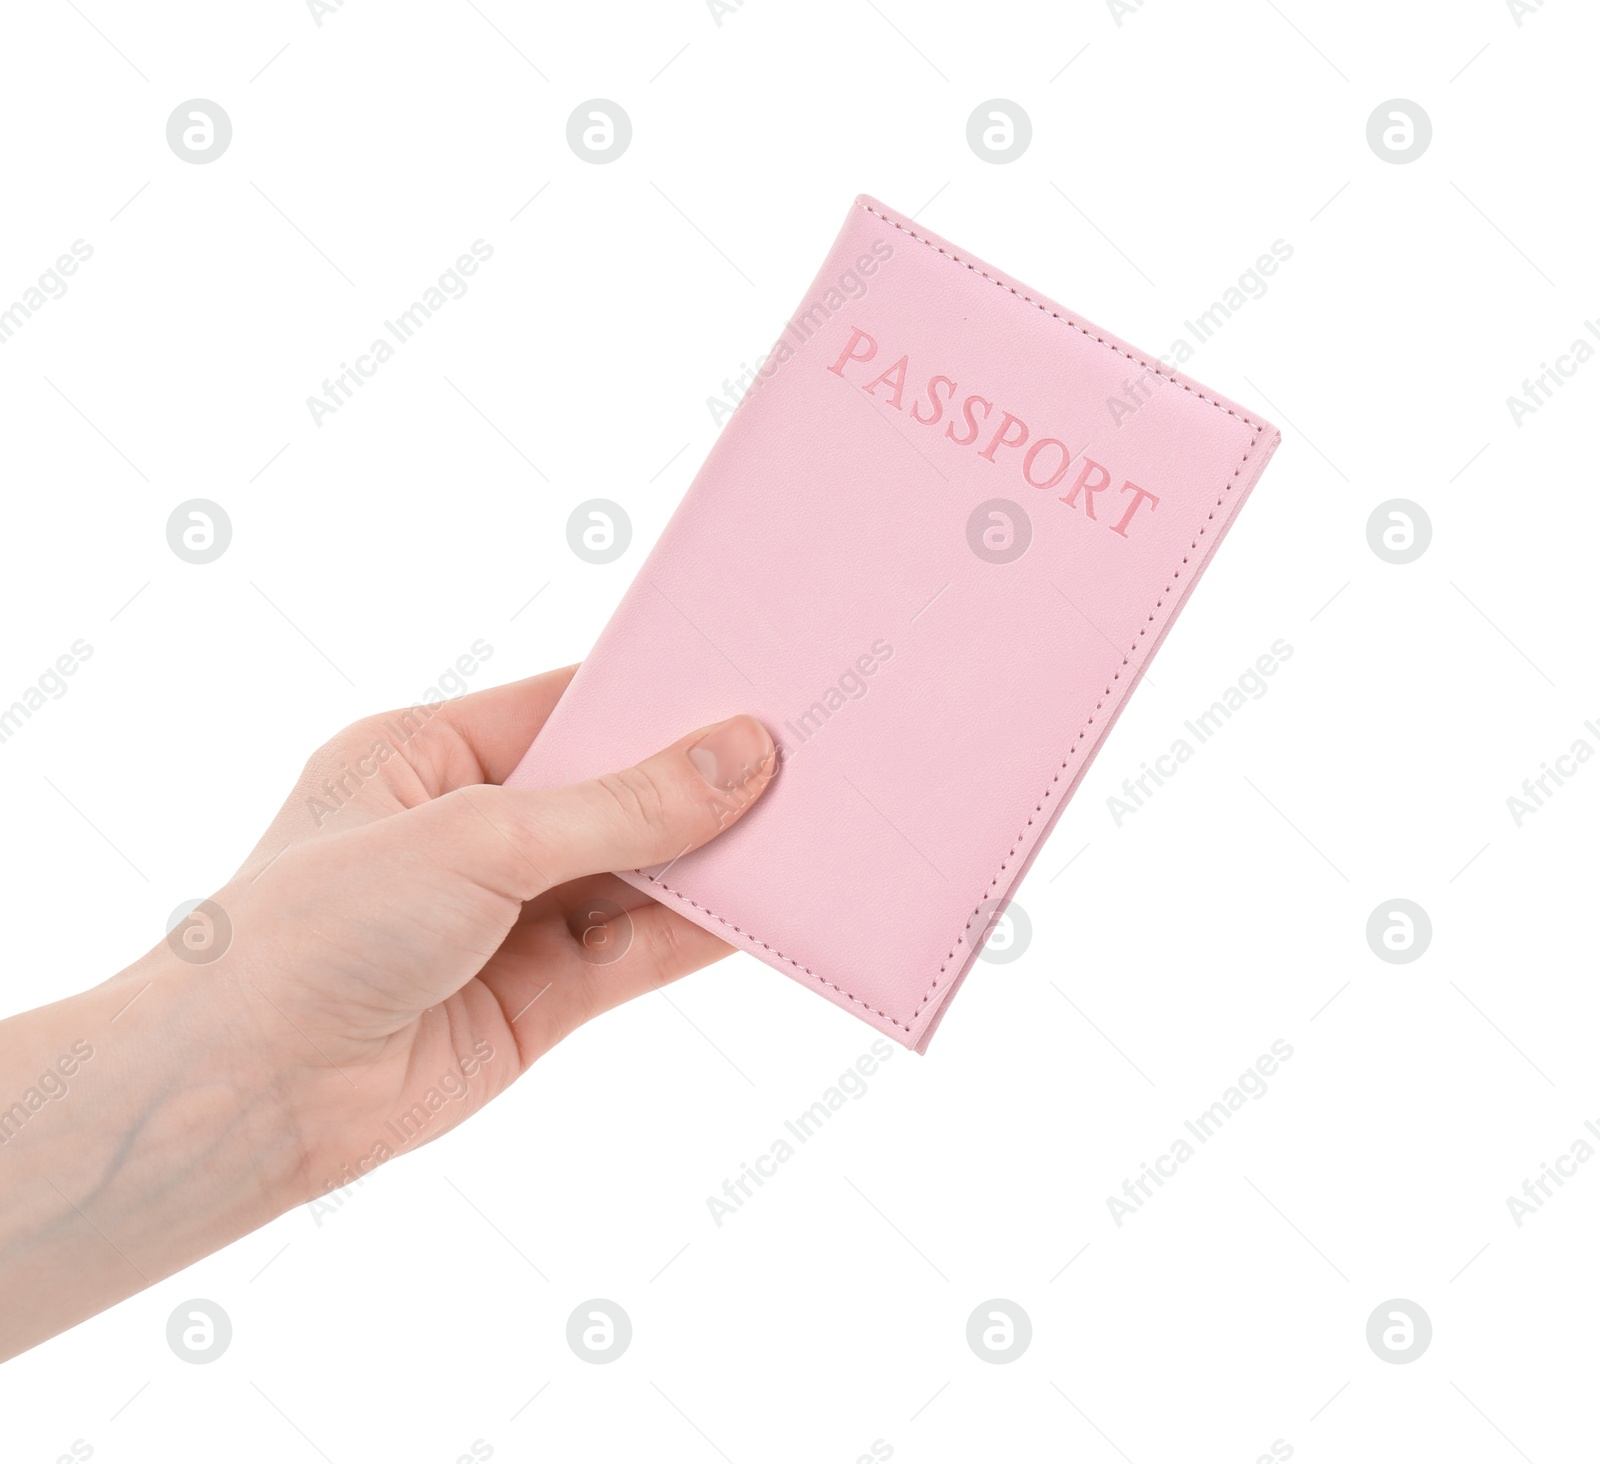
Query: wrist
column 146, row 1131
column 190, row 1060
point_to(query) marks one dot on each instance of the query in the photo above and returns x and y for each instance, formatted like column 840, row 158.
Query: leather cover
column 846, row 567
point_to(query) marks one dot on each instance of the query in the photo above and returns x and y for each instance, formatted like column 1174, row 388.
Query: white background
column 371, row 551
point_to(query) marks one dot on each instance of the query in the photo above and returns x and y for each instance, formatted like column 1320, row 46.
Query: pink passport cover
column 845, row 568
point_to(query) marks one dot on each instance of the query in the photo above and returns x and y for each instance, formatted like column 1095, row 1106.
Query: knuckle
column 345, row 744
column 457, row 811
column 357, row 734
column 512, row 839
column 640, row 798
column 664, row 950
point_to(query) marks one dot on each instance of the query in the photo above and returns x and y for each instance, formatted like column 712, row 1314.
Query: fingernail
column 734, row 753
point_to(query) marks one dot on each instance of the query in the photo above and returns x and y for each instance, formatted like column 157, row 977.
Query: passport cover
column 933, row 550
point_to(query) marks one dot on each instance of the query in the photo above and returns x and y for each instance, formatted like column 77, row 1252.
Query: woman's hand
column 406, row 938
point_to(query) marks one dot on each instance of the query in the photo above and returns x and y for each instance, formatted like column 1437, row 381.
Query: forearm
column 137, row 1134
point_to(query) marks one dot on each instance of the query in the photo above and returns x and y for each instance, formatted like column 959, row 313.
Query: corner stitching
column 679, row 894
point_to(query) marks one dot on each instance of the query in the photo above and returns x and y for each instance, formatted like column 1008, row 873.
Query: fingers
column 493, row 728
column 522, row 841
column 544, row 1001
column 662, row 947
column 406, row 758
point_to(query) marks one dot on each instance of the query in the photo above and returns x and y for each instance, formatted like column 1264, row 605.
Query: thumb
column 526, row 840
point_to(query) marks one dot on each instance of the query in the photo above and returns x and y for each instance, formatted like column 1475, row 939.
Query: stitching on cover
column 1077, row 741
column 1068, row 320
column 775, row 951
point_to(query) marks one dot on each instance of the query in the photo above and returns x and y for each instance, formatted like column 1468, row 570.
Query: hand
column 403, row 942
column 429, row 930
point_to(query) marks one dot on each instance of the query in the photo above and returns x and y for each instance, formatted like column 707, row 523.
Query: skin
column 378, row 953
